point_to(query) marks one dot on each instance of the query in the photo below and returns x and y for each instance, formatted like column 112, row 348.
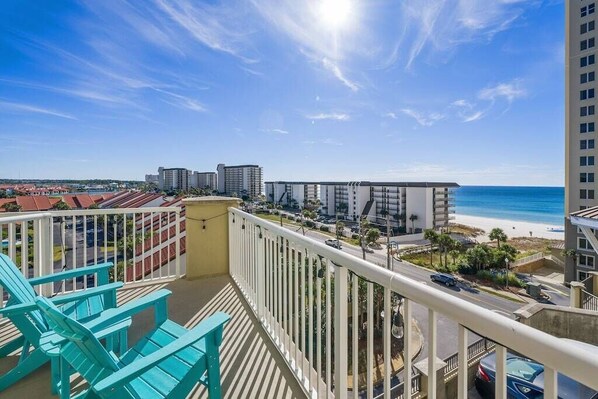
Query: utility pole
column 361, row 238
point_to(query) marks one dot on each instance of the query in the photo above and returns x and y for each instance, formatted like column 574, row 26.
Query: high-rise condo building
column 207, row 180
column 241, row 180
column 173, row 178
column 580, row 129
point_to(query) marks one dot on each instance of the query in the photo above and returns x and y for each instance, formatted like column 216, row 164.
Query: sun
column 335, row 14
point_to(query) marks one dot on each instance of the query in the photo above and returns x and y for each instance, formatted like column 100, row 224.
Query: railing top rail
column 590, row 295
column 114, row 211
column 23, row 217
column 544, row 348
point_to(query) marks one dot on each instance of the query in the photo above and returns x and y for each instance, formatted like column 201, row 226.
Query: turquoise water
column 528, row 204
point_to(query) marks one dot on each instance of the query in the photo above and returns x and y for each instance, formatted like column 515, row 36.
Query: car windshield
column 524, row 369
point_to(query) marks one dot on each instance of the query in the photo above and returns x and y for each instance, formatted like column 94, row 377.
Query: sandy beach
column 511, row 227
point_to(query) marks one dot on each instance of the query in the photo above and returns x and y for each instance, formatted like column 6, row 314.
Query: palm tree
column 445, row 242
column 498, row 235
column 61, row 206
column 12, row 207
column 432, row 236
column 413, row 218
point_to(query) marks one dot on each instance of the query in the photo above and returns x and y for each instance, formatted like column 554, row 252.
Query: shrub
column 310, row 224
column 466, row 269
column 355, row 236
column 324, row 228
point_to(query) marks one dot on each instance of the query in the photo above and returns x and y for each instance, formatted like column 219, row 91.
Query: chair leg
column 12, row 346
column 214, row 389
column 35, row 360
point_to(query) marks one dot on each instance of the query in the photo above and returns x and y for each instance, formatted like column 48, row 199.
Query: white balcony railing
column 306, row 296
column 143, row 243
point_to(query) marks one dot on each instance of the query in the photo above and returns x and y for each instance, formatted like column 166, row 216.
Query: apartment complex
column 240, row 180
column 580, row 129
column 173, row 178
column 411, row 207
column 207, row 180
column 291, row 193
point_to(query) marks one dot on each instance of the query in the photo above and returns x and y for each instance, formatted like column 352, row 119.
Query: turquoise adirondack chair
column 24, row 314
column 166, row 363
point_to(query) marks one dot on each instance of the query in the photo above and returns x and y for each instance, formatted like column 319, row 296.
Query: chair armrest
column 50, row 339
column 27, row 307
column 135, row 369
column 68, row 274
column 15, row 310
column 84, row 294
column 114, row 315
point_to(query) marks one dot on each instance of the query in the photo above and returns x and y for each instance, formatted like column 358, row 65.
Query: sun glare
column 335, row 13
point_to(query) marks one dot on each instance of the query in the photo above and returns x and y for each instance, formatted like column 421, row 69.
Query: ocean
column 527, row 204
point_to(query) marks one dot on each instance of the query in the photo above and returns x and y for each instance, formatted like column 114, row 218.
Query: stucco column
column 575, row 295
column 206, row 243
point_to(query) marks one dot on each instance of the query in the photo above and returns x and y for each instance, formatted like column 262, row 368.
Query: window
column 585, row 111
column 587, row 77
column 583, row 45
column 586, row 161
column 583, row 95
column 591, row 161
column 582, row 276
column 582, row 243
column 583, row 194
column 591, row 9
column 583, row 128
column 583, row 144
column 590, row 144
column 591, row 26
column 584, row 11
column 590, row 93
column 586, row 260
column 591, row 194
column 591, row 110
column 583, row 28
column 583, row 62
column 587, row 178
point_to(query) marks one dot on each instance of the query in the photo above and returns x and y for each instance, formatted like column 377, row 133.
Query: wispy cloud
column 20, row 107
column 332, row 67
column 442, row 25
column 329, row 141
column 333, row 116
column 424, row 119
column 275, row 131
column 390, row 115
column 509, row 91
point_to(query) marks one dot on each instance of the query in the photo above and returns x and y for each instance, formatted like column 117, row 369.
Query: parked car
column 445, row 279
column 333, row 243
column 525, row 378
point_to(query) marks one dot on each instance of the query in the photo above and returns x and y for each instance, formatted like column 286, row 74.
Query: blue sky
column 470, row 91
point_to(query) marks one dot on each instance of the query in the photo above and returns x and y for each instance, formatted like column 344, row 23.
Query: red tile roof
column 32, row 204
column 5, row 201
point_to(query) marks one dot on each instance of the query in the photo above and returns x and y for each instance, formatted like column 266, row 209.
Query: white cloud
column 19, row 107
column 332, row 67
column 391, row 115
column 333, row 116
column 424, row 119
column 509, row 91
column 275, row 131
column 442, row 25
column 330, row 141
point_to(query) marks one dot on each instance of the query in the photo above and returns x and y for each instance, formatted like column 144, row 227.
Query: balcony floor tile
column 251, row 366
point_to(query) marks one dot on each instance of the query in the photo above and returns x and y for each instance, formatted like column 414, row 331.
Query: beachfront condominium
column 205, row 180
column 240, row 180
column 411, row 207
column 173, row 178
column 580, row 129
column 291, row 193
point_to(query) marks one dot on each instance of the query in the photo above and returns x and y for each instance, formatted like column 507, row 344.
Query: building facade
column 411, row 207
column 152, row 179
column 205, row 180
column 240, row 180
column 295, row 194
column 580, row 130
column 173, row 178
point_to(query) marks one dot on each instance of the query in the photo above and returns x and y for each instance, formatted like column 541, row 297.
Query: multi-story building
column 412, row 206
column 173, row 178
column 152, row 179
column 580, row 129
column 207, row 180
column 240, row 180
column 291, row 193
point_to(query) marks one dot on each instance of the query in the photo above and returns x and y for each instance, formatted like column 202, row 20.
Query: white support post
column 407, row 355
column 432, row 346
column 462, row 370
column 550, row 383
column 501, row 372
column 46, row 258
column 178, row 243
column 340, row 332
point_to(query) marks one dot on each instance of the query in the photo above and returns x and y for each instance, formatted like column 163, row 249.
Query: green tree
column 364, row 226
column 498, row 235
column 372, row 236
column 454, row 254
column 478, row 256
column 445, row 243
column 61, row 206
column 12, row 207
column 340, row 227
column 432, row 236
column 413, row 218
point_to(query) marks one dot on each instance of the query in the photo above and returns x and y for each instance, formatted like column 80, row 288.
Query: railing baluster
column 95, row 239
column 143, row 257
column 303, row 317
column 114, row 249
column 462, row 368
column 84, row 249
column 340, row 332
column 370, row 340
column 319, row 346
column 354, row 334
column 134, row 245
column 74, row 249
column 407, row 355
column 550, row 383
column 125, row 245
column 105, row 239
column 24, row 246
column 501, row 373
column 12, row 244
column 285, row 295
column 152, row 244
column 310, row 300
column 178, row 242
column 328, row 330
column 387, row 341
column 432, row 349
